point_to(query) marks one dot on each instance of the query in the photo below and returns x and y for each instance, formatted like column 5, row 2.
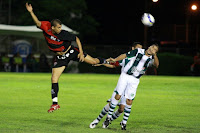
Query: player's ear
column 52, row 27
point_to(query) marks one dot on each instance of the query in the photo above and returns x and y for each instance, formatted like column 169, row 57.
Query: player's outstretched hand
column 81, row 57
column 110, row 60
column 29, row 7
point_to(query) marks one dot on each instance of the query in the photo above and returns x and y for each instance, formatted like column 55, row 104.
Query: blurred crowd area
column 29, row 63
column 170, row 64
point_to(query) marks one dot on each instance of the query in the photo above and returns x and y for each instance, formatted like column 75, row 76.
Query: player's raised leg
column 90, row 60
column 56, row 72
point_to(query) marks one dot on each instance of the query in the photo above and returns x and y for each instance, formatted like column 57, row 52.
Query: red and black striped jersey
column 56, row 42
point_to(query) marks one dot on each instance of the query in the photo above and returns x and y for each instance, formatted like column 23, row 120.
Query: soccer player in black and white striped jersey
column 122, row 103
column 136, row 63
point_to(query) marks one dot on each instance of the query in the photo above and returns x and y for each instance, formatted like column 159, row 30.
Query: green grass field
column 163, row 104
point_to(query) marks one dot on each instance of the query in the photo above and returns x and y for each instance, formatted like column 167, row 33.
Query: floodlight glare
column 194, row 7
column 155, row 0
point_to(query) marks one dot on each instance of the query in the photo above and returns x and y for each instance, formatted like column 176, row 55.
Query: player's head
column 136, row 45
column 152, row 49
column 56, row 25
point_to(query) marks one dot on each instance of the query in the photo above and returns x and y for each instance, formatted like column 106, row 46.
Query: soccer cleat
column 53, row 108
column 106, row 123
column 94, row 123
column 123, row 126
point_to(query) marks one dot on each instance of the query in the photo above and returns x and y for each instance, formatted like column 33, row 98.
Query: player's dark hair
column 135, row 44
column 54, row 22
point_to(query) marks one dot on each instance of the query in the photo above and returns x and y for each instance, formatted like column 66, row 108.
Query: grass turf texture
column 163, row 104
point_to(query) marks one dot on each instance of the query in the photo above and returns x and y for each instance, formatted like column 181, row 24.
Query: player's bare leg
column 56, row 72
column 93, row 61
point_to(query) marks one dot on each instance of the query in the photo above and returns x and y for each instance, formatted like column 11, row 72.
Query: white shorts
column 127, row 84
column 122, row 99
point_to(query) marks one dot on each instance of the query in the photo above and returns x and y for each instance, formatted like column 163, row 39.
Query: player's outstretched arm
column 121, row 57
column 106, row 65
column 80, row 55
column 35, row 19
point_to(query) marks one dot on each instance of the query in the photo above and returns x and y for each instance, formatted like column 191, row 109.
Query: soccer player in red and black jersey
column 59, row 41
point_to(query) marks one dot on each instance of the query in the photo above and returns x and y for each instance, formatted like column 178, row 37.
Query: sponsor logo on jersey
column 67, row 55
column 55, row 39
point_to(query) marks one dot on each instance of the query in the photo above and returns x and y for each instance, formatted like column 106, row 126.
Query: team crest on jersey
column 49, row 30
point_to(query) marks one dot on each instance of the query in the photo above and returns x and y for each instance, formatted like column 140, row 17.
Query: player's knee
column 117, row 96
column 121, row 110
column 129, row 101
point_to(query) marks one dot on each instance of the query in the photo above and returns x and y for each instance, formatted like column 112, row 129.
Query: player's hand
column 154, row 53
column 29, row 7
column 111, row 60
column 81, row 57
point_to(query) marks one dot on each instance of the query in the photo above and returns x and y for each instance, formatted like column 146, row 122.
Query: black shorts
column 63, row 60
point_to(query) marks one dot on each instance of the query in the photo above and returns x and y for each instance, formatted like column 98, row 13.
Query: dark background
column 107, row 22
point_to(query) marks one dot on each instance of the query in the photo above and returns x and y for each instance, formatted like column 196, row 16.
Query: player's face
column 137, row 46
column 57, row 29
column 152, row 49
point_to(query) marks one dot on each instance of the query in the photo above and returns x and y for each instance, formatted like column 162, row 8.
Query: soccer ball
column 147, row 19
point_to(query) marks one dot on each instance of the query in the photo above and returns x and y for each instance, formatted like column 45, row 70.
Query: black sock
column 54, row 93
column 101, row 60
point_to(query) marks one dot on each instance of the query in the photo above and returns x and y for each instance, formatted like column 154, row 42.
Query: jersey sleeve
column 121, row 62
column 45, row 25
column 66, row 36
column 131, row 53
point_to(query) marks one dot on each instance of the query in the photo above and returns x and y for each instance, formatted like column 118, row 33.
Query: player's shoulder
column 64, row 32
column 45, row 25
column 140, row 50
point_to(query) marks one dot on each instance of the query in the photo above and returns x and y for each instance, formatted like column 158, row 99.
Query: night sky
column 120, row 20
